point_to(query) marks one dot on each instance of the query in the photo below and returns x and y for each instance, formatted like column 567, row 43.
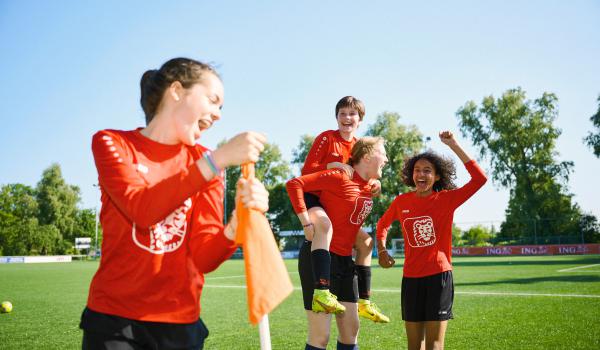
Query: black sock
column 364, row 281
column 310, row 347
column 321, row 264
column 341, row 346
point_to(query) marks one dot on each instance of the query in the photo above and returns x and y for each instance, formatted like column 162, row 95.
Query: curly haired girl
column 426, row 216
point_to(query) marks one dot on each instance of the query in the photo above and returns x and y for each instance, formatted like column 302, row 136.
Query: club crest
column 167, row 235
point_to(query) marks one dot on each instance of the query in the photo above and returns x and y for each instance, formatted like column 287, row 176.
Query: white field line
column 502, row 294
column 223, row 277
column 577, row 267
column 233, row 276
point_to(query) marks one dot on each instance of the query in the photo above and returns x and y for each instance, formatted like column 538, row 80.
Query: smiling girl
column 162, row 213
column 426, row 215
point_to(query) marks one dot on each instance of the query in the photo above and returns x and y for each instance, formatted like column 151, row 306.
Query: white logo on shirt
column 362, row 209
column 167, row 235
column 420, row 231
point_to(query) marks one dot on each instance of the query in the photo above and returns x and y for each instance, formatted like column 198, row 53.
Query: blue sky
column 71, row 68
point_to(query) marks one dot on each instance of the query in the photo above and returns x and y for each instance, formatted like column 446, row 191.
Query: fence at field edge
column 551, row 249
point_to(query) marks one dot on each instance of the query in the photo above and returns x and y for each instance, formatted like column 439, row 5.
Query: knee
column 319, row 340
column 322, row 225
column 436, row 345
column 349, row 335
column 368, row 246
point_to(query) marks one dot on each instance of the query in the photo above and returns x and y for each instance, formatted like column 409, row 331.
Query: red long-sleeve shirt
column 162, row 226
column 346, row 201
column 327, row 148
column 427, row 225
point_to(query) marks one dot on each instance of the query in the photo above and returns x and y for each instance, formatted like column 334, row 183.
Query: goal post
column 397, row 246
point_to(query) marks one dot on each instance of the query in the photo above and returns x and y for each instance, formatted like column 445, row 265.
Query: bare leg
column 364, row 248
column 415, row 334
column 348, row 324
column 319, row 325
column 435, row 332
column 323, row 229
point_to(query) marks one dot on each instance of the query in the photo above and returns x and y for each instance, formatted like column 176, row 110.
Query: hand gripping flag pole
column 267, row 279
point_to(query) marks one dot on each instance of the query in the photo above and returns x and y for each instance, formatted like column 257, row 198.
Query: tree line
column 45, row 219
column 515, row 135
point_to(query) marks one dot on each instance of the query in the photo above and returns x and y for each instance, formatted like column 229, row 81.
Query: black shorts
column 428, row 298
column 108, row 332
column 311, row 200
column 344, row 282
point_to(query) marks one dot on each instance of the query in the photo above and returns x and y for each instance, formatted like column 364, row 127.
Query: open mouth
column 204, row 124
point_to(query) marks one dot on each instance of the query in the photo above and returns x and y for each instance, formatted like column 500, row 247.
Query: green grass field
column 501, row 303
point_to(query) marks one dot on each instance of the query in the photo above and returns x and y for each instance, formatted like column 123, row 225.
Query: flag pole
column 265, row 335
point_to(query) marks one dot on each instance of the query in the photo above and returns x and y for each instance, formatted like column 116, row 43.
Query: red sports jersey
column 427, row 225
column 327, row 148
column 346, row 201
column 162, row 228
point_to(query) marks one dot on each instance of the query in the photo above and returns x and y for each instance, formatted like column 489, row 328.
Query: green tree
column 41, row 239
column 85, row 225
column 456, row 236
column 519, row 139
column 477, row 236
column 18, row 212
column 20, row 232
column 18, row 200
column 299, row 153
column 589, row 228
column 57, row 202
column 401, row 142
column 593, row 138
column 273, row 171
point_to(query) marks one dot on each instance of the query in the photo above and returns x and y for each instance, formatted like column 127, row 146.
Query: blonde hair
column 364, row 146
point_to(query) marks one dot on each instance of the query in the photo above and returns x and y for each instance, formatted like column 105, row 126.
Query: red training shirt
column 162, row 228
column 427, row 224
column 346, row 201
column 327, row 148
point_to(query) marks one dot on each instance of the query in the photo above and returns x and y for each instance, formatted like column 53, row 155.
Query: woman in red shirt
column 162, row 213
column 347, row 201
column 426, row 216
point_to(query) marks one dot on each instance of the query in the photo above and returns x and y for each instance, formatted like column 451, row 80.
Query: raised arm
column 447, row 137
column 315, row 159
column 478, row 177
column 308, row 183
column 119, row 176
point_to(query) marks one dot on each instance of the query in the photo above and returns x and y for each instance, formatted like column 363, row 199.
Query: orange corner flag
column 268, row 281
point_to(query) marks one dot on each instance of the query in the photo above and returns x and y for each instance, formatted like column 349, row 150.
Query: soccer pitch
column 550, row 302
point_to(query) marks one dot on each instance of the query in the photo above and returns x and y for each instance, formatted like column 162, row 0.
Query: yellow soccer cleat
column 324, row 301
column 369, row 310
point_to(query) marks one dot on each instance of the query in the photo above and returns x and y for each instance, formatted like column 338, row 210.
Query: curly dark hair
column 444, row 167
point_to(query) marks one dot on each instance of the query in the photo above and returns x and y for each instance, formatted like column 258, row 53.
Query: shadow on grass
column 531, row 280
